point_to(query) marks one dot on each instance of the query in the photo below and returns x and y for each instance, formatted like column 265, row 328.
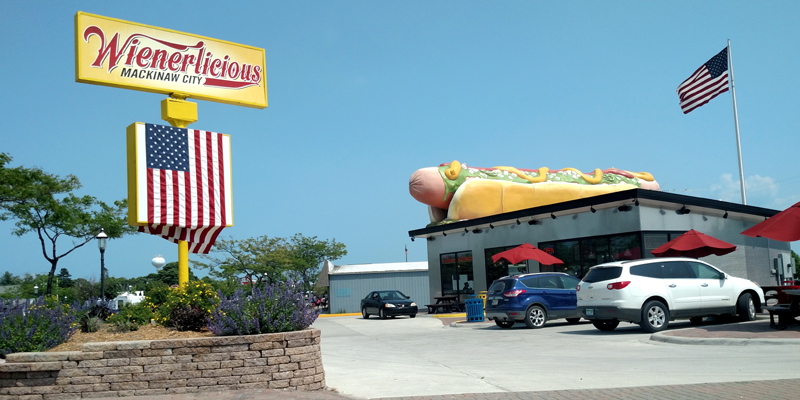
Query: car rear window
column 602, row 274
column 501, row 286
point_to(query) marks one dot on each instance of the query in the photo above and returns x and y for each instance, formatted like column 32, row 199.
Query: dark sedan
column 388, row 303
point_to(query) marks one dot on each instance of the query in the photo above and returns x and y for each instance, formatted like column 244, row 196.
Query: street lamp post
column 102, row 239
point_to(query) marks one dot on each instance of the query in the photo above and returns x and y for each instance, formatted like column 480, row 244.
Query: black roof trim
column 641, row 194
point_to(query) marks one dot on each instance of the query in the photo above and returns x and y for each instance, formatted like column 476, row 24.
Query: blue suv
column 532, row 298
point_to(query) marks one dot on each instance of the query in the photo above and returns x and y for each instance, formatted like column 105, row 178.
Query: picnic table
column 444, row 303
column 787, row 311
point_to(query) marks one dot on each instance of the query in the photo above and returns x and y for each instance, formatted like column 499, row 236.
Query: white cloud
column 761, row 188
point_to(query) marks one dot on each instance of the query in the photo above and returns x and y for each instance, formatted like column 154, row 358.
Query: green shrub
column 197, row 295
column 90, row 324
column 276, row 308
column 35, row 325
column 139, row 314
column 188, row 318
column 123, row 326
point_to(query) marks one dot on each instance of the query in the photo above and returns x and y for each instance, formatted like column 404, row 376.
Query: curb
column 663, row 338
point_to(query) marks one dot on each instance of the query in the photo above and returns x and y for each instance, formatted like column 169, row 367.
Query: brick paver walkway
column 787, row 389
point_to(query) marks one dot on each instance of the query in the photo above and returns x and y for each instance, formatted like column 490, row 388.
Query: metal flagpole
column 736, row 122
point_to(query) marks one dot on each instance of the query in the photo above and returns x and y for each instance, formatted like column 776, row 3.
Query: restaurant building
column 624, row 225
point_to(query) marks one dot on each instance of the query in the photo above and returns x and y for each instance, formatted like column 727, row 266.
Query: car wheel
column 746, row 308
column 535, row 317
column 655, row 316
column 382, row 313
column 413, row 315
column 605, row 326
column 364, row 313
column 573, row 320
column 504, row 324
column 696, row 320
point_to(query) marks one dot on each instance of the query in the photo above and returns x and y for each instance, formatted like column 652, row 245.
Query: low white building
column 127, row 298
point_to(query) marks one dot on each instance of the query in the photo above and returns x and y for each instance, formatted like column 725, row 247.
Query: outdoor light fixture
column 725, row 216
column 491, row 226
column 553, row 216
column 683, row 211
column 431, row 238
column 534, row 222
column 476, row 231
column 412, row 238
column 636, row 202
column 444, row 233
column 36, row 290
column 102, row 239
column 591, row 208
column 624, row 208
column 466, row 230
column 518, row 221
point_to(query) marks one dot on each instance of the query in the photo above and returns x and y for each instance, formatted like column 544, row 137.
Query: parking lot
column 422, row 357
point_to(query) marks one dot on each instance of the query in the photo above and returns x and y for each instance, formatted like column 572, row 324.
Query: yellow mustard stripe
column 454, row 170
column 541, row 178
column 597, row 178
column 643, row 175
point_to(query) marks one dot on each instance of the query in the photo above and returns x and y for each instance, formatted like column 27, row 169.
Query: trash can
column 482, row 295
column 474, row 310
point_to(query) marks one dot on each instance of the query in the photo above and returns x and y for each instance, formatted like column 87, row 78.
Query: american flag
column 707, row 82
column 183, row 184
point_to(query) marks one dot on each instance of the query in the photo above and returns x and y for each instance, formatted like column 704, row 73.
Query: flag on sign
column 707, row 82
column 182, row 187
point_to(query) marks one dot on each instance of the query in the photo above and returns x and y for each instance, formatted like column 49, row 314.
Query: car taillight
column 578, row 288
column 618, row 285
column 514, row 293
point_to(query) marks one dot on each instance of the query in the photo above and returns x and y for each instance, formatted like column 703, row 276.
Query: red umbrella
column 526, row 252
column 693, row 244
column 783, row 226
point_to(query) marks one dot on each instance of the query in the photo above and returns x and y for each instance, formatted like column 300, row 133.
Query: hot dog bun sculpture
column 455, row 192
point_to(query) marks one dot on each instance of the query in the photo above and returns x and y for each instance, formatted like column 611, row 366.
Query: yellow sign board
column 128, row 55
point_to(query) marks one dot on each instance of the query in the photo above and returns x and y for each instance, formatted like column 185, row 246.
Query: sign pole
column 180, row 113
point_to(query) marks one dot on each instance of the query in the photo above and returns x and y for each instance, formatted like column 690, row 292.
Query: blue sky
column 363, row 93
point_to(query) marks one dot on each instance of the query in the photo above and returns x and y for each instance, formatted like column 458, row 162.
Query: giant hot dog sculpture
column 455, row 192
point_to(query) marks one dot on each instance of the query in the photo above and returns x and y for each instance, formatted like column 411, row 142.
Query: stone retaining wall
column 290, row 360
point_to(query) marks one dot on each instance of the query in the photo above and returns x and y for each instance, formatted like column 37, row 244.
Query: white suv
column 652, row 292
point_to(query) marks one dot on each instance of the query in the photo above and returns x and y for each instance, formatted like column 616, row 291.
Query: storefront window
column 497, row 270
column 457, row 275
column 625, row 247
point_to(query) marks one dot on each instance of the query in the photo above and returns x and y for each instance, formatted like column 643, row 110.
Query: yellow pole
column 180, row 113
column 183, row 263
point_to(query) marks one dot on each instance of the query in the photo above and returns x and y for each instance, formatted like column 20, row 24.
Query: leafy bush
column 197, row 294
column 35, row 325
column 276, row 308
column 188, row 318
column 90, row 324
column 93, row 308
column 137, row 314
column 123, row 326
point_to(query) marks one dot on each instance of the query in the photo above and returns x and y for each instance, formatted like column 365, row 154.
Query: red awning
column 783, row 226
column 526, row 252
column 693, row 244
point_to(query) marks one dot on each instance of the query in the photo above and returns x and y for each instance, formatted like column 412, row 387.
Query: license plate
column 589, row 312
column 494, row 302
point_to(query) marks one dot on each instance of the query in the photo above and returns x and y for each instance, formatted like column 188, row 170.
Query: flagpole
column 736, row 122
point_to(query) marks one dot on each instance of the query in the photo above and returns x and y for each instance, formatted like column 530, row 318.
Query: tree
column 308, row 254
column 9, row 279
column 251, row 258
column 44, row 203
column 64, row 279
column 169, row 274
